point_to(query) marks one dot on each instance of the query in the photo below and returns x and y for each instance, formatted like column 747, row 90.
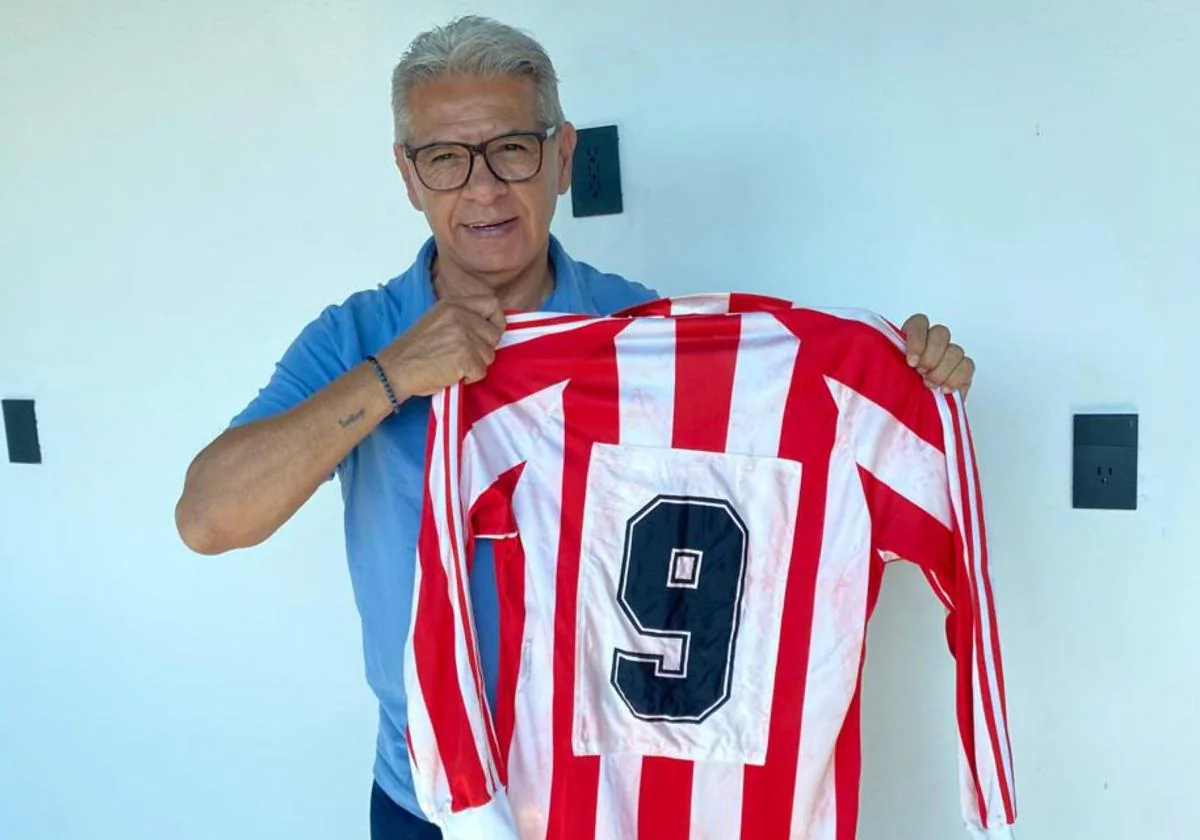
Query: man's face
column 487, row 227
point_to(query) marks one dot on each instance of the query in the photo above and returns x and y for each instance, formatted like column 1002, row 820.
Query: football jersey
column 692, row 504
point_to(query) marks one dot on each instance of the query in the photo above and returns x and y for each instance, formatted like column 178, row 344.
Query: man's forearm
column 249, row 481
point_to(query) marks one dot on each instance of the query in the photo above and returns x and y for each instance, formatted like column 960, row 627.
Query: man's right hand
column 253, row 478
column 454, row 341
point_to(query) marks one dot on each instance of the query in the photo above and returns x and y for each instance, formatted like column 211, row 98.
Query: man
column 484, row 151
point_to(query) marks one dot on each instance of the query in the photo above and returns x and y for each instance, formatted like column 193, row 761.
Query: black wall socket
column 596, row 173
column 1105, row 473
column 20, row 429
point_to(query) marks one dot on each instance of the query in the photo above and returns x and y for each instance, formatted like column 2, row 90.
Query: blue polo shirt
column 382, row 478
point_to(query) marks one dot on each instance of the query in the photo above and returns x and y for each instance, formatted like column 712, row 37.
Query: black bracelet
column 387, row 386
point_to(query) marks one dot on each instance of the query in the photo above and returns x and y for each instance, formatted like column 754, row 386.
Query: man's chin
column 493, row 257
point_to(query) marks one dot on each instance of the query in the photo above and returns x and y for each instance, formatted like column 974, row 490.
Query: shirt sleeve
column 924, row 493
column 453, row 747
column 309, row 363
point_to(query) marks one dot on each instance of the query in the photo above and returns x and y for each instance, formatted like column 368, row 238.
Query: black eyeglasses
column 512, row 157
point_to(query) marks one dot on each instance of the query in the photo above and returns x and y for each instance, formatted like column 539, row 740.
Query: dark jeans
column 391, row 822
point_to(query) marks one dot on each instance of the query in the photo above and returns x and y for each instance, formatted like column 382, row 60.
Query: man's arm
column 247, row 483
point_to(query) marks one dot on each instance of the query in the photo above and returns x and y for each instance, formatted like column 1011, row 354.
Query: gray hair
column 474, row 46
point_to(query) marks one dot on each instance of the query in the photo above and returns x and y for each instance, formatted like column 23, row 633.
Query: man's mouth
column 490, row 227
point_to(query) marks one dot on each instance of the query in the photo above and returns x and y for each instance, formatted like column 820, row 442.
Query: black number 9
column 681, row 578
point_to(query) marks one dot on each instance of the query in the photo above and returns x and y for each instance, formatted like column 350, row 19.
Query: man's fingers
column 483, row 348
column 473, row 369
column 960, row 378
column 937, row 341
column 478, row 325
column 916, row 330
column 486, row 307
column 939, row 373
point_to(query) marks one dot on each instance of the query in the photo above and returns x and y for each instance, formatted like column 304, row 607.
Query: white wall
column 185, row 184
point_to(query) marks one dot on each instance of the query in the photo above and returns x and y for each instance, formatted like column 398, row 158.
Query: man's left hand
column 943, row 363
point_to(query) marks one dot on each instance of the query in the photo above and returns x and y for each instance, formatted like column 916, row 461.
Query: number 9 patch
column 683, row 570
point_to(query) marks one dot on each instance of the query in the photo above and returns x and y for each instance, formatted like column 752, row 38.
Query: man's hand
column 943, row 364
column 452, row 342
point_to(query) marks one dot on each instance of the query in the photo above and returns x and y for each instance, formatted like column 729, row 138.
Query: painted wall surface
column 185, row 185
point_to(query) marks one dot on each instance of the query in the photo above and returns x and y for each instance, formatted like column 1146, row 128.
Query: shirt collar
column 567, row 295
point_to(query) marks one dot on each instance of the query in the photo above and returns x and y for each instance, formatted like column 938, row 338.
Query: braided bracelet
column 383, row 379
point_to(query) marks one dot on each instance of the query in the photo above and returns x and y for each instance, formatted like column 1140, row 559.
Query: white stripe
column 531, row 759
column 646, row 386
column 894, row 453
column 646, row 376
column 716, row 801
column 702, row 303
column 839, row 620
column 762, row 380
column 517, row 334
column 618, row 796
column 429, row 776
column 983, row 615
column 488, row 452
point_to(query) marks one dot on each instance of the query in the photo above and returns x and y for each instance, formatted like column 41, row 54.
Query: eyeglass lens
column 447, row 165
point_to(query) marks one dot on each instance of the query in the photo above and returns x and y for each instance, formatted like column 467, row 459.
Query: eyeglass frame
column 480, row 150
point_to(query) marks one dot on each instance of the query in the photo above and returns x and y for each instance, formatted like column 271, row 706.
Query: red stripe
column 510, row 583
column 847, row 765
column 750, row 302
column 592, row 414
column 494, row 515
column 971, row 615
column 863, row 358
column 980, row 602
column 809, row 424
column 706, row 350
column 997, row 658
column 412, row 756
column 433, row 638
column 523, row 369
column 962, row 632
column 651, row 308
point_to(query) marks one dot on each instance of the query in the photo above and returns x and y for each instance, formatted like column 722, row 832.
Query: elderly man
column 484, row 151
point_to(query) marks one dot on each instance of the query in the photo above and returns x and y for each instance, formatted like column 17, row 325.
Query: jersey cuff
column 996, row 832
column 493, row 820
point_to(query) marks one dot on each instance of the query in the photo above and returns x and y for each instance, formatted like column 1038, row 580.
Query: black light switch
column 1106, row 448
column 596, row 173
column 20, row 427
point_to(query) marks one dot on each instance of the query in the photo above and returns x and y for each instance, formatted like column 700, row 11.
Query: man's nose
column 483, row 186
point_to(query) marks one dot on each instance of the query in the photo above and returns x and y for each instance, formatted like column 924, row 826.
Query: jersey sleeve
column 917, row 460
column 453, row 752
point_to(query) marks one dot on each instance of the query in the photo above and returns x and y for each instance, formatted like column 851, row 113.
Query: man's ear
column 567, row 139
column 405, row 167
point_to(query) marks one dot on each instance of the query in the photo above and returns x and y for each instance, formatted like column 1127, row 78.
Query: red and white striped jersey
column 692, row 502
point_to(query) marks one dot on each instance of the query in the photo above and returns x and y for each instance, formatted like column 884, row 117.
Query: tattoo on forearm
column 351, row 419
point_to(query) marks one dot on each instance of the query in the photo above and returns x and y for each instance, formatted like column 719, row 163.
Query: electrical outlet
column 20, row 428
column 1105, row 473
column 596, row 173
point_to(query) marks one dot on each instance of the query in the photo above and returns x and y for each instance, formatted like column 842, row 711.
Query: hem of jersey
column 995, row 832
column 494, row 820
